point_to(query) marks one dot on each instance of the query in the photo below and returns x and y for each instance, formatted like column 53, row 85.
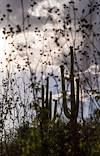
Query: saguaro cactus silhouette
column 47, row 115
column 74, row 107
column 74, row 102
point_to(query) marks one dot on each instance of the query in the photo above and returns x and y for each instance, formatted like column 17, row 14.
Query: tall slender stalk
column 72, row 85
column 47, row 92
column 55, row 108
column 42, row 96
column 50, row 106
column 77, row 97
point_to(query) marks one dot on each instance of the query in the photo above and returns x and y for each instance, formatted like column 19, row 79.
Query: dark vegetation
column 42, row 113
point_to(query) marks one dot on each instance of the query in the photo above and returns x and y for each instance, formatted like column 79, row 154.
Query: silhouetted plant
column 65, row 37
